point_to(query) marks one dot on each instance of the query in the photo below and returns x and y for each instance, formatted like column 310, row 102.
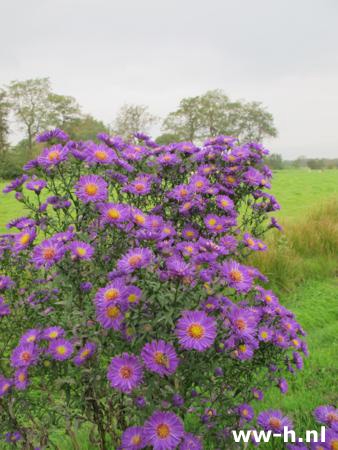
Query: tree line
column 35, row 107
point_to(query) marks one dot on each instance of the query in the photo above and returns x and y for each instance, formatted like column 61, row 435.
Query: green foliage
column 4, row 128
column 213, row 113
column 85, row 128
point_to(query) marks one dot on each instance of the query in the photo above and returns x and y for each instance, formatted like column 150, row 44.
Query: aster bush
column 126, row 305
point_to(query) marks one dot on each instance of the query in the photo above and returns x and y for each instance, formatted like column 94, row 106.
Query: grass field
column 302, row 265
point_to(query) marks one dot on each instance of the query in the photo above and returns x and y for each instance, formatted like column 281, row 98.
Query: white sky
column 283, row 53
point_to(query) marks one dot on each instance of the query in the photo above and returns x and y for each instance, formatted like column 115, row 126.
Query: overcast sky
column 283, row 53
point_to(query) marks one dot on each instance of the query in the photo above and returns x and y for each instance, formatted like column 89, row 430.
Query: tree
column 4, row 128
column 167, row 138
column 275, row 161
column 132, row 119
column 36, row 107
column 213, row 113
column 85, row 128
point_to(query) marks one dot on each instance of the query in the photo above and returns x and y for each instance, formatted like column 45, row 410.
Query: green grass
column 298, row 190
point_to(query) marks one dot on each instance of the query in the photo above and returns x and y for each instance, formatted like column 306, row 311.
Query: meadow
column 302, row 267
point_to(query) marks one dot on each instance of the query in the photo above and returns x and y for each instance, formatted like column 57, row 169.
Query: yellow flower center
column 111, row 294
column 31, row 338
column 113, row 312
column 190, row 233
column 101, row 155
column 264, row 334
column 189, row 249
column 224, row 203
column 209, row 305
column 126, row 372
column 91, row 189
column 230, row 179
column 53, row 334
column 84, row 353
column 26, row 356
column 232, row 158
column 61, row 349
column 212, row 222
column 139, row 218
column 263, row 181
column 132, row 298
column 334, row 444
column 183, row 192
column 162, row 431
column 199, row 184
column 24, row 239
column 196, row 331
column 113, row 213
column 54, row 155
column 48, row 253
column 161, row 359
column 5, row 387
column 332, row 417
column 139, row 187
column 260, row 245
column 134, row 260
column 275, row 422
column 250, row 241
column 242, row 348
column 240, row 324
column 81, row 251
column 295, row 342
column 136, row 440
column 245, row 412
column 22, row 377
column 236, row 275
column 268, row 298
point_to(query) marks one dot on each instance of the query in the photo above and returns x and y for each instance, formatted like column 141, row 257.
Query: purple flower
column 160, row 357
column 31, row 336
column 48, row 253
column 5, row 282
column 265, row 334
column 225, row 202
column 52, row 134
column 163, row 430
column 36, row 185
column 258, row 394
column 112, row 213
column 195, row 330
column 327, row 415
column 283, row 385
column 133, row 438
column 125, row 372
column 15, row 184
column 52, row 333
column 81, row 250
column 60, row 349
column 133, row 295
column 113, row 292
column 85, row 353
column 191, row 442
column 5, row 385
column 136, row 258
column 100, row 154
column 246, row 412
column 91, row 188
column 13, row 437
column 52, row 156
column 243, row 323
column 236, row 276
column 274, row 420
column 21, row 378
column 110, row 315
column 24, row 355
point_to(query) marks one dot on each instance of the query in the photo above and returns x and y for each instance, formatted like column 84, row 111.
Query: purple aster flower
column 85, row 353
column 163, row 430
column 236, row 276
column 5, row 385
column 21, row 378
column 191, row 442
column 52, row 156
column 178, row 267
column 133, row 295
column 36, row 185
column 91, row 188
column 265, row 334
column 274, row 420
column 258, row 394
column 243, row 352
column 4, row 308
column 225, row 202
column 15, row 184
column 100, row 154
column 168, row 159
column 24, row 355
column 52, row 134
column 140, row 402
column 246, row 412
column 32, row 164
column 298, row 360
column 110, row 315
column 139, row 187
column 112, row 213
column 275, row 224
column 199, row 183
column 190, row 233
column 331, row 440
column 136, row 258
column 160, row 357
column 86, row 286
column 182, row 192
column 13, row 437
column 177, row 400
column 133, row 438
column 60, row 349
column 250, row 242
column 280, row 339
column 243, row 322
column 125, row 372
column 32, row 335
column 5, row 282
column 113, row 292
column 195, row 330
column 283, row 385
column 327, row 415
column 48, row 253
column 53, row 333
column 24, row 239
column 81, row 250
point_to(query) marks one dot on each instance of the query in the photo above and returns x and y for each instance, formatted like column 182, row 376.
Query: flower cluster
column 126, row 287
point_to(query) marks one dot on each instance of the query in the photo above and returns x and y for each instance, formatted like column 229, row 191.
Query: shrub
column 126, row 301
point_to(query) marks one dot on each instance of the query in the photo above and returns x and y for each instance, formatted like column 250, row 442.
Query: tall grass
column 307, row 249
